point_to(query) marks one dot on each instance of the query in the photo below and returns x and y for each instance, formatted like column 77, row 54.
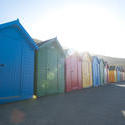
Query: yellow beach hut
column 86, row 70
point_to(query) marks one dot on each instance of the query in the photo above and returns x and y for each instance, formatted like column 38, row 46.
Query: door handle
column 1, row 65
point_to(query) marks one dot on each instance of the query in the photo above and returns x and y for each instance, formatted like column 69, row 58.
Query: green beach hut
column 49, row 68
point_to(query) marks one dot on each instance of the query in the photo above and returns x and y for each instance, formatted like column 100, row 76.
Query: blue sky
column 97, row 26
column 31, row 9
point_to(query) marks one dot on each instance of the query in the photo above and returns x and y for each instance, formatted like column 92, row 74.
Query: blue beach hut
column 118, row 73
column 121, row 76
column 96, row 71
column 16, row 63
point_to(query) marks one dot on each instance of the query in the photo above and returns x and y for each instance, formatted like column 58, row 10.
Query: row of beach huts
column 33, row 68
column 92, row 71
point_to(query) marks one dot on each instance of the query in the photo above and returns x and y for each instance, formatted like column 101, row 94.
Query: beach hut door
column 52, row 67
column 10, row 68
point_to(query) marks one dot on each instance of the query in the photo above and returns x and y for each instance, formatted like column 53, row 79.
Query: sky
column 95, row 26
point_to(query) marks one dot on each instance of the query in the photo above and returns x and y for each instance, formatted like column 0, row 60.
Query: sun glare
column 83, row 28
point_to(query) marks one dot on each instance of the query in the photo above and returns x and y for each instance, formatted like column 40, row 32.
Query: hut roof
column 16, row 24
column 95, row 57
column 41, row 43
column 86, row 56
column 112, row 68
